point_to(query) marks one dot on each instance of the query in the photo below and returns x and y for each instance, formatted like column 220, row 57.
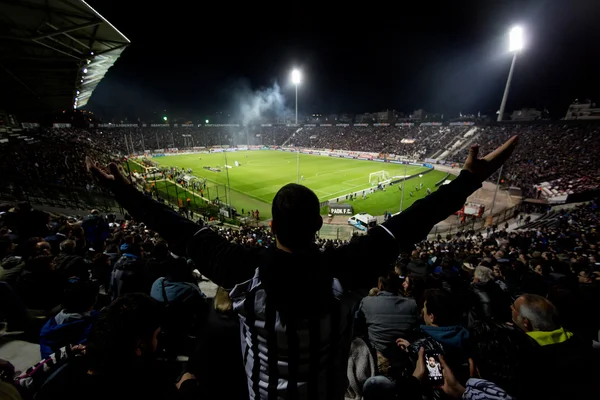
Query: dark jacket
column 127, row 276
column 488, row 300
column 388, row 317
column 567, row 370
column 355, row 265
column 70, row 265
column 217, row 343
column 65, row 329
column 418, row 267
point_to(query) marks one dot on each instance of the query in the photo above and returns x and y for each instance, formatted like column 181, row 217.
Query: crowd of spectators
column 413, row 142
column 562, row 156
column 117, row 310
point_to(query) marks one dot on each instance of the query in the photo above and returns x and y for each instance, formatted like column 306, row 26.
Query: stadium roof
column 53, row 54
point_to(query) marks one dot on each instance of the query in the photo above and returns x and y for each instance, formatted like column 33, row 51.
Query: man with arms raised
column 295, row 326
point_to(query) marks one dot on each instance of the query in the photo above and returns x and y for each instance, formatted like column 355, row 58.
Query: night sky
column 192, row 57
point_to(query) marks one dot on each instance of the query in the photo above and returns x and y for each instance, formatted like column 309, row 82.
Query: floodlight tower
column 296, row 81
column 515, row 45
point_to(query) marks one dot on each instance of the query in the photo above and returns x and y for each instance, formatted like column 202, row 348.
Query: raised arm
column 372, row 255
column 224, row 263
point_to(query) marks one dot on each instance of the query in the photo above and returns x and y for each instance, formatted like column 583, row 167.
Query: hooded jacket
column 65, row 329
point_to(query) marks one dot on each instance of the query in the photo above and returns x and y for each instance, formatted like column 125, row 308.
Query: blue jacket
column 65, row 329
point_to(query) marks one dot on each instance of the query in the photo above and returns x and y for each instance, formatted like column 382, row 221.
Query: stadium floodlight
column 296, row 77
column 165, row 118
column 206, row 122
column 515, row 39
column 85, row 70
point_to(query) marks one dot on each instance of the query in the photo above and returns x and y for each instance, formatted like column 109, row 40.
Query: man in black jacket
column 284, row 295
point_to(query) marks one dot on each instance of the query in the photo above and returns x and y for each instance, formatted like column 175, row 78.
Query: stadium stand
column 553, row 162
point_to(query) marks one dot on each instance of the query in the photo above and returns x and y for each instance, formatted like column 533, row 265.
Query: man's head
column 389, row 283
column 126, row 331
column 440, row 308
column 483, row 275
column 296, row 217
column 67, row 246
column 431, row 362
column 531, row 312
column 80, row 296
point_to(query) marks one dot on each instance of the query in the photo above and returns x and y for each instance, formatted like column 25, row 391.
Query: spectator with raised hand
column 284, row 295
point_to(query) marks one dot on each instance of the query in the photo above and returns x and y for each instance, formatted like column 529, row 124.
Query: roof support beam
column 57, row 50
column 67, row 30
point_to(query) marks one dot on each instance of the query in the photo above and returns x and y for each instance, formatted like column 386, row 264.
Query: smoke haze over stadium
column 446, row 58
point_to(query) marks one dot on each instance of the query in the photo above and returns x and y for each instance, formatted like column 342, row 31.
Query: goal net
column 379, row 176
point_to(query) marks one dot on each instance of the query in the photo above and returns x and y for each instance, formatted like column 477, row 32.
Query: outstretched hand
column 109, row 178
column 484, row 167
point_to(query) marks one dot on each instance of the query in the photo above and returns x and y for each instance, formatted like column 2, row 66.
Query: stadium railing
column 476, row 225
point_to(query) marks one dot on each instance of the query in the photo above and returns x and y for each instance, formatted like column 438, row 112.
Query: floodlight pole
column 297, row 149
column 510, row 74
column 403, row 184
column 296, row 104
column 228, row 186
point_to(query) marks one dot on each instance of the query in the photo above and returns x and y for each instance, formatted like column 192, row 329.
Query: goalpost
column 379, row 176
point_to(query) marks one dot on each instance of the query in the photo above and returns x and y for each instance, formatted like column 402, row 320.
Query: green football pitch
column 262, row 173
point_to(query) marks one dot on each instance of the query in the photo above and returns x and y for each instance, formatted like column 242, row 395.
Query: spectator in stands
column 118, row 363
column 488, row 299
column 128, row 274
column 500, row 365
column 185, row 306
column 387, row 315
column 217, row 345
column 96, row 229
column 60, row 236
column 68, row 264
column 158, row 264
column 413, row 287
column 441, row 333
column 26, row 222
column 287, row 291
column 11, row 264
column 39, row 286
column 418, row 264
column 73, row 323
column 564, row 359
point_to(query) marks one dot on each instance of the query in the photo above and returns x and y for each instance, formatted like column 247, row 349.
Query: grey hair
column 483, row 274
column 540, row 312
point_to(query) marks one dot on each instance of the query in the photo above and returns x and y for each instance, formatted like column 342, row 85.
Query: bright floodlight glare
column 165, row 118
column 295, row 77
column 516, row 39
column 206, row 121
